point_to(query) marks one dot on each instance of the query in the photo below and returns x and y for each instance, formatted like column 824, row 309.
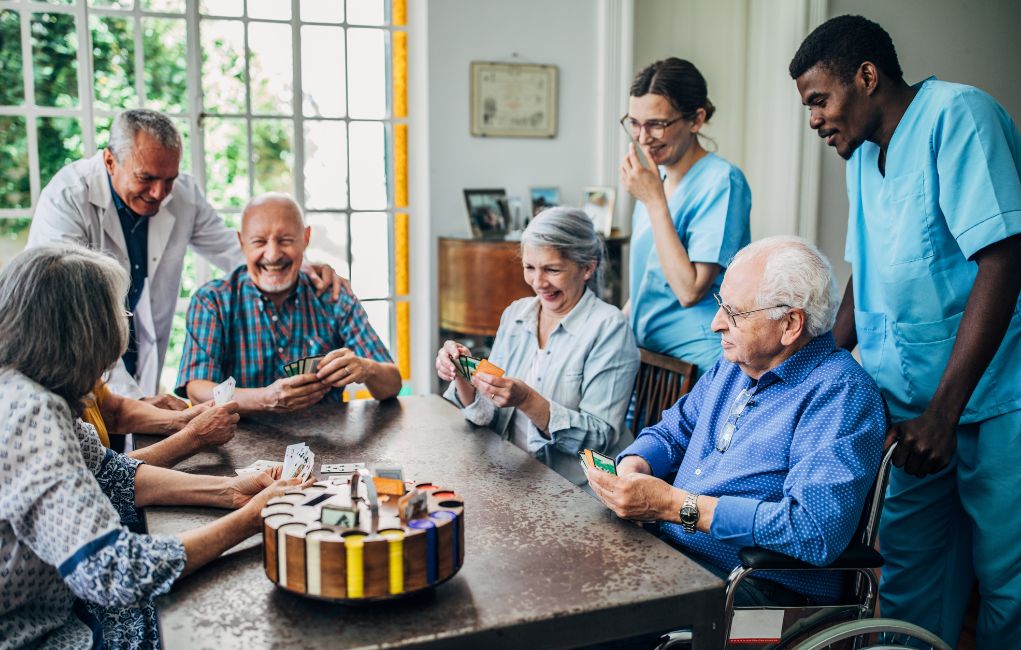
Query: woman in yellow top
column 187, row 431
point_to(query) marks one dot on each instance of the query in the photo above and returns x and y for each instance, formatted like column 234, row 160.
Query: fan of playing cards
column 298, row 463
column 469, row 365
column 302, row 366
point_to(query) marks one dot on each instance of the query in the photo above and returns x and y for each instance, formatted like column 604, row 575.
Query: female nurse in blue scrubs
column 690, row 219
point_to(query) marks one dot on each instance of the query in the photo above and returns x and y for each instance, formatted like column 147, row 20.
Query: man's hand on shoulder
column 926, row 444
column 293, row 393
column 166, row 401
column 323, row 277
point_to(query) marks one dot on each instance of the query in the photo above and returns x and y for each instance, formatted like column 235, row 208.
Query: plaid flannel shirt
column 235, row 331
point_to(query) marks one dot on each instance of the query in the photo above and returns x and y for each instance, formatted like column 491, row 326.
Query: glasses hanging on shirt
column 741, row 402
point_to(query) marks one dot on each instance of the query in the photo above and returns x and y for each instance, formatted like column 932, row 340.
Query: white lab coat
column 77, row 206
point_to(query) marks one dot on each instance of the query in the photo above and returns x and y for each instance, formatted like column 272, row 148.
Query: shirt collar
column 801, row 364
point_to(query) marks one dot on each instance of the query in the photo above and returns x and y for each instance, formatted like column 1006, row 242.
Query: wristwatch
column 689, row 513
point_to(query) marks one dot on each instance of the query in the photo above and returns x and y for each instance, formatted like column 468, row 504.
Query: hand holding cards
column 298, row 462
column 595, row 460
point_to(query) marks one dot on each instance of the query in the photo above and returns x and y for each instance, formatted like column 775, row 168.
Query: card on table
column 340, row 468
column 224, row 391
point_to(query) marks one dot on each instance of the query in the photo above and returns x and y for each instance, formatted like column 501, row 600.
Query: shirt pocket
column 924, row 353
column 905, row 231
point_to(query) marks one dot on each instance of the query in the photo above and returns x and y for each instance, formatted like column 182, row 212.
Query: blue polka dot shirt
column 802, row 456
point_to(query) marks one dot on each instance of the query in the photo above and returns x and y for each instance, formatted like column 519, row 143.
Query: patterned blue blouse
column 63, row 500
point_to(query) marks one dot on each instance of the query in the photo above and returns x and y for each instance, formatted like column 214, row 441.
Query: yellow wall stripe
column 404, row 339
column 401, row 165
column 401, row 253
column 400, row 73
column 399, row 12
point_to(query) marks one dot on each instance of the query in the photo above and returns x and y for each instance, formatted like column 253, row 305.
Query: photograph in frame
column 543, row 197
column 513, row 100
column 488, row 215
column 597, row 202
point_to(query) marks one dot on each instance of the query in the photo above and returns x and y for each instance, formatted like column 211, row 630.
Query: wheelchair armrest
column 857, row 556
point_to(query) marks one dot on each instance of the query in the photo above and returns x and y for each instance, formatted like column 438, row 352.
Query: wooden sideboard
column 478, row 278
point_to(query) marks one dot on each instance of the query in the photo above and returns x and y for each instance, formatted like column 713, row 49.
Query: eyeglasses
column 743, row 401
column 734, row 314
column 655, row 128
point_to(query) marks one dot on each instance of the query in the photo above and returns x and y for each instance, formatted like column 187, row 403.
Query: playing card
column 258, row 466
column 471, row 365
column 294, row 460
column 224, row 392
column 313, row 364
column 388, row 471
column 487, row 367
column 340, row 468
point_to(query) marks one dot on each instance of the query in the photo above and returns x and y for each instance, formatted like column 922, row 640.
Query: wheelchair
column 847, row 625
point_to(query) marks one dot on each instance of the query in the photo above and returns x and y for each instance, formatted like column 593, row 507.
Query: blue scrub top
column 951, row 189
column 710, row 210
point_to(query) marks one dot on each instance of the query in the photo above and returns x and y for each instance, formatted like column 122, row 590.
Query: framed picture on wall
column 488, row 215
column 513, row 100
column 544, row 197
column 597, row 202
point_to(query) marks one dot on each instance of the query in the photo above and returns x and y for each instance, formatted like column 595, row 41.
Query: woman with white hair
column 570, row 358
column 71, row 574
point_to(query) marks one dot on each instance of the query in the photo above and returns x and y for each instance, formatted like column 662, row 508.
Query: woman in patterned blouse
column 71, row 574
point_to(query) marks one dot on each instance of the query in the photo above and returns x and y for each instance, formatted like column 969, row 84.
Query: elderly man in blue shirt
column 777, row 444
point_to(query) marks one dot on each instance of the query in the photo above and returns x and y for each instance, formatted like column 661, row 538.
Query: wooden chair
column 661, row 381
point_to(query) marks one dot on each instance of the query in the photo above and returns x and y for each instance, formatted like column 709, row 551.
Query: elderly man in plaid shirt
column 266, row 313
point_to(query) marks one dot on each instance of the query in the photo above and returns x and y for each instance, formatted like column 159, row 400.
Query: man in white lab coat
column 131, row 201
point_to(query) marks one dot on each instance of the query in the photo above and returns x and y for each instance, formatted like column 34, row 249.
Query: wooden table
column 546, row 565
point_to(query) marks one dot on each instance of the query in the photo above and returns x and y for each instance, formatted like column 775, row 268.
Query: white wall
column 967, row 41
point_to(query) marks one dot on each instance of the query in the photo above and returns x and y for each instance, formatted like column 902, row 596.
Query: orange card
column 389, row 485
column 488, row 368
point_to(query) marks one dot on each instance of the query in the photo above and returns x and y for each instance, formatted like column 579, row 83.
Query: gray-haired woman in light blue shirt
column 570, row 358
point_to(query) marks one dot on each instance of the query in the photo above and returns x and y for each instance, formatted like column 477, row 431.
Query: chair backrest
column 868, row 523
column 661, row 381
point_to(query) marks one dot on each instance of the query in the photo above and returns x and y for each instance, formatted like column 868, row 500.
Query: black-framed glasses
column 655, row 128
column 734, row 314
column 741, row 402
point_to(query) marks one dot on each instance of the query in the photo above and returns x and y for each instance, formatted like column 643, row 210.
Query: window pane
column 223, row 66
column 328, row 244
column 325, row 165
column 14, row 188
column 13, row 238
column 60, row 142
column 12, row 90
column 226, row 162
column 273, row 156
column 368, row 166
column 184, row 128
column 323, row 11
column 370, row 254
column 322, row 71
column 165, row 6
column 367, row 73
column 164, row 42
column 378, row 312
column 113, row 62
column 271, row 9
column 55, row 60
column 221, row 7
column 113, row 4
column 270, row 67
column 365, row 12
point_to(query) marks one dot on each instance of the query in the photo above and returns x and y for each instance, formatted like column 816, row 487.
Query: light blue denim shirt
column 586, row 373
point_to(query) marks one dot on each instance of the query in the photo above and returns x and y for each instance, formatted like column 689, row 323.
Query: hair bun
column 709, row 109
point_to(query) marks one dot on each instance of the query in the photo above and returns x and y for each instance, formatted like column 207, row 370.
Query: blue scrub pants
column 939, row 533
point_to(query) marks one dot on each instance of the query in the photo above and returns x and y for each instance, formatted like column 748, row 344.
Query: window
column 305, row 97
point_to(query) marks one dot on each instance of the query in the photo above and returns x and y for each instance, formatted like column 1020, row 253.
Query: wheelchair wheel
column 874, row 634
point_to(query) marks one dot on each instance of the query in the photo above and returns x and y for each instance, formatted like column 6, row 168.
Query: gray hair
column 62, row 321
column 128, row 124
column 796, row 274
column 569, row 231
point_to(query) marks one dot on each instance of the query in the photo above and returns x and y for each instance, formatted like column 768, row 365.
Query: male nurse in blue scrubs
column 933, row 240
